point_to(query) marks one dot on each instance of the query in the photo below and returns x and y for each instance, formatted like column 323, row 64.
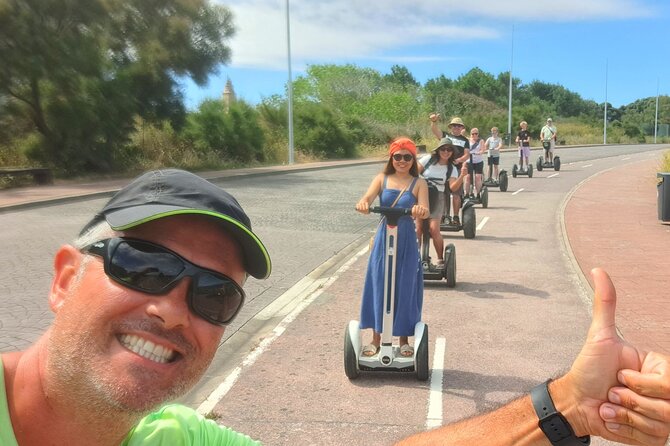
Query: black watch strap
column 553, row 423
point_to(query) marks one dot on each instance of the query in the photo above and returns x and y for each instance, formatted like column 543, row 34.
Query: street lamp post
column 656, row 115
column 605, row 118
column 509, row 103
column 290, row 87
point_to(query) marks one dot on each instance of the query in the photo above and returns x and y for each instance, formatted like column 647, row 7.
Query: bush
column 234, row 134
column 317, row 133
column 665, row 162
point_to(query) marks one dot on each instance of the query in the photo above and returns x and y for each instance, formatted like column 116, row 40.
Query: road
column 517, row 315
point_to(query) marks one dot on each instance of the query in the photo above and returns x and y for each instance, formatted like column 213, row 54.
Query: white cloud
column 348, row 30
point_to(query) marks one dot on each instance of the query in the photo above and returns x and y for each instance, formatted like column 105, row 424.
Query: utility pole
column 290, row 87
column 605, row 119
column 656, row 115
column 509, row 103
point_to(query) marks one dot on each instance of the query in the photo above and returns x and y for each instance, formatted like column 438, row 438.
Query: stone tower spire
column 228, row 94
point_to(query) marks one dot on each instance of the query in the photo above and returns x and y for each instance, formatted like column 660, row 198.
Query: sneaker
column 440, row 264
column 456, row 221
column 447, row 220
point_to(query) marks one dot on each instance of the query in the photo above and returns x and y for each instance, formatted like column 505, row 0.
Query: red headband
column 402, row 143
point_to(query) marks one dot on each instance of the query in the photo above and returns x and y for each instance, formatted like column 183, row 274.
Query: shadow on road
column 497, row 290
column 507, row 240
column 476, row 387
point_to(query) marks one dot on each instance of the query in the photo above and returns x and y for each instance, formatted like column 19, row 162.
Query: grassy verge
column 664, row 165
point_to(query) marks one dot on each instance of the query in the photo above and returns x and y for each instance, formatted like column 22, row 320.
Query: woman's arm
column 456, row 183
column 363, row 205
column 420, row 210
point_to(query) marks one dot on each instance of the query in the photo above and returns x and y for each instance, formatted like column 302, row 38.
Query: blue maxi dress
column 409, row 276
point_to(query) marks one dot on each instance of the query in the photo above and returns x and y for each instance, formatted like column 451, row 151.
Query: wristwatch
column 553, row 423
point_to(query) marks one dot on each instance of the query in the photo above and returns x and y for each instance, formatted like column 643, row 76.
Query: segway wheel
column 540, row 160
column 421, row 360
column 469, row 222
column 502, row 180
column 530, row 171
column 557, row 163
column 450, row 265
column 350, row 359
column 425, row 244
column 485, row 197
column 515, row 169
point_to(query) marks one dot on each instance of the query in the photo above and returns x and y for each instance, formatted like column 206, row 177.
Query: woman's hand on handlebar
column 464, row 170
column 363, row 207
column 419, row 211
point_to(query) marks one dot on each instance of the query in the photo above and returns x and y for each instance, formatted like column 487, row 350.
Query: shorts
column 495, row 160
column 524, row 151
column 437, row 209
column 479, row 167
column 550, row 144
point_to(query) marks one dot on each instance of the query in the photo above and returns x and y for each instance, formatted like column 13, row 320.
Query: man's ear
column 66, row 266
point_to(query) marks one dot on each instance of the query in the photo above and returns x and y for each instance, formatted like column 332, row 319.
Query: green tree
column 482, row 84
column 402, row 77
column 82, row 70
column 342, row 88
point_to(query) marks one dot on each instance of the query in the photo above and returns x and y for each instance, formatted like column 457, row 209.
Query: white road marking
column 311, row 289
column 586, row 165
column 553, row 175
column 516, row 192
column 483, row 222
column 434, row 416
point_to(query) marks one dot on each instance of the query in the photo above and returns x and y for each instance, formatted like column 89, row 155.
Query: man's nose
column 172, row 308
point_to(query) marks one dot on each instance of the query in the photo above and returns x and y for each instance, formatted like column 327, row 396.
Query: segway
column 468, row 219
column 528, row 171
column 543, row 163
column 388, row 358
column 431, row 271
column 501, row 182
column 483, row 197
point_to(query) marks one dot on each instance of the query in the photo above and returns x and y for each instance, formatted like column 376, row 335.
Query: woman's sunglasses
column 407, row 157
column 153, row 269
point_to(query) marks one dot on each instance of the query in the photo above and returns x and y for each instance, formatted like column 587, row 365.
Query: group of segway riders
column 419, row 188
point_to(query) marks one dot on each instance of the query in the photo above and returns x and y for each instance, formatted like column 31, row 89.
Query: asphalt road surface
column 517, row 316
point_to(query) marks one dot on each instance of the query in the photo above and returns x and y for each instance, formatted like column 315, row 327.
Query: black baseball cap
column 164, row 193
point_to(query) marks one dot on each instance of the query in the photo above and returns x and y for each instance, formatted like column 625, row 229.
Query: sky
column 617, row 50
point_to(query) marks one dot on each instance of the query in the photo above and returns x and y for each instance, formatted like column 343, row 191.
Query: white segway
column 388, row 358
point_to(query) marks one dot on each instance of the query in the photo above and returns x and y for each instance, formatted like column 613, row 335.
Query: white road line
column 626, row 158
column 483, row 222
column 586, row 165
column 434, row 416
column 316, row 287
column 516, row 192
column 553, row 175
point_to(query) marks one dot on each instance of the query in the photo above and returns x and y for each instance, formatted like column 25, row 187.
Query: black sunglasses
column 446, row 149
column 398, row 156
column 153, row 269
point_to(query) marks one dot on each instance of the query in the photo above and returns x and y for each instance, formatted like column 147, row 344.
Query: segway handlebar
column 391, row 213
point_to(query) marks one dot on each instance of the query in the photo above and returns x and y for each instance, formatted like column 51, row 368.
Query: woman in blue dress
column 399, row 180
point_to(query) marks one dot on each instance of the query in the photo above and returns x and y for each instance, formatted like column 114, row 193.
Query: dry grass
column 664, row 165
